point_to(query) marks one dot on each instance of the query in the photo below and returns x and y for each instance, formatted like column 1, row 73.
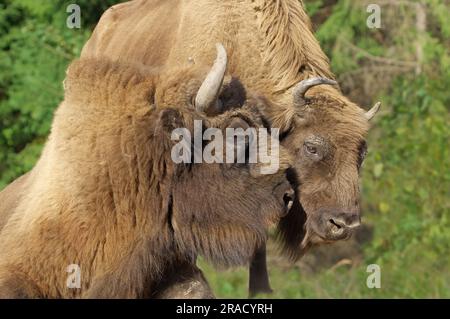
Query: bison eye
column 311, row 149
column 315, row 148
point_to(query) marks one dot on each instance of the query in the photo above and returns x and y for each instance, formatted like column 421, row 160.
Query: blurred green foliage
column 406, row 176
column 35, row 49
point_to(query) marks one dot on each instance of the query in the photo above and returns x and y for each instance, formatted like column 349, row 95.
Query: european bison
column 107, row 196
column 271, row 49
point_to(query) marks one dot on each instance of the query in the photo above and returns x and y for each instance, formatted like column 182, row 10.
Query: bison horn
column 302, row 87
column 371, row 113
column 209, row 90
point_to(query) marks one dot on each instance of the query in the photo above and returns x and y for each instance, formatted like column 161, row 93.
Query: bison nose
column 343, row 224
column 345, row 221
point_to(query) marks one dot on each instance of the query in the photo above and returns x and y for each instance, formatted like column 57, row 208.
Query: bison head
column 219, row 210
column 223, row 210
column 326, row 134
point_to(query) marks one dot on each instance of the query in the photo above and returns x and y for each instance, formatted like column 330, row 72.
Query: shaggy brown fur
column 271, row 47
column 11, row 196
column 270, row 43
column 107, row 196
column 290, row 47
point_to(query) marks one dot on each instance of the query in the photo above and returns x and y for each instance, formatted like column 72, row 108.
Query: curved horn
column 371, row 113
column 209, row 90
column 302, row 87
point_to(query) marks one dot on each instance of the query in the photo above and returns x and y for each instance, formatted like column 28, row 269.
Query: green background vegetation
column 406, row 176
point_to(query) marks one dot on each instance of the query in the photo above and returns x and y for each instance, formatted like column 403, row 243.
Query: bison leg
column 258, row 275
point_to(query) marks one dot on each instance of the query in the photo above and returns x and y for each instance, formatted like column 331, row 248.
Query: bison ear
column 173, row 136
column 169, row 119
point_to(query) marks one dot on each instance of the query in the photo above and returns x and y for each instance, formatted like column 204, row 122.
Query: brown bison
column 107, row 196
column 273, row 51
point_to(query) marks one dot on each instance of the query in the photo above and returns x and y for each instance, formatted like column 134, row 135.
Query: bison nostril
column 336, row 223
column 337, row 227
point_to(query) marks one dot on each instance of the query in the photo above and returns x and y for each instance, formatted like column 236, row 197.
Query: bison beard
column 106, row 195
